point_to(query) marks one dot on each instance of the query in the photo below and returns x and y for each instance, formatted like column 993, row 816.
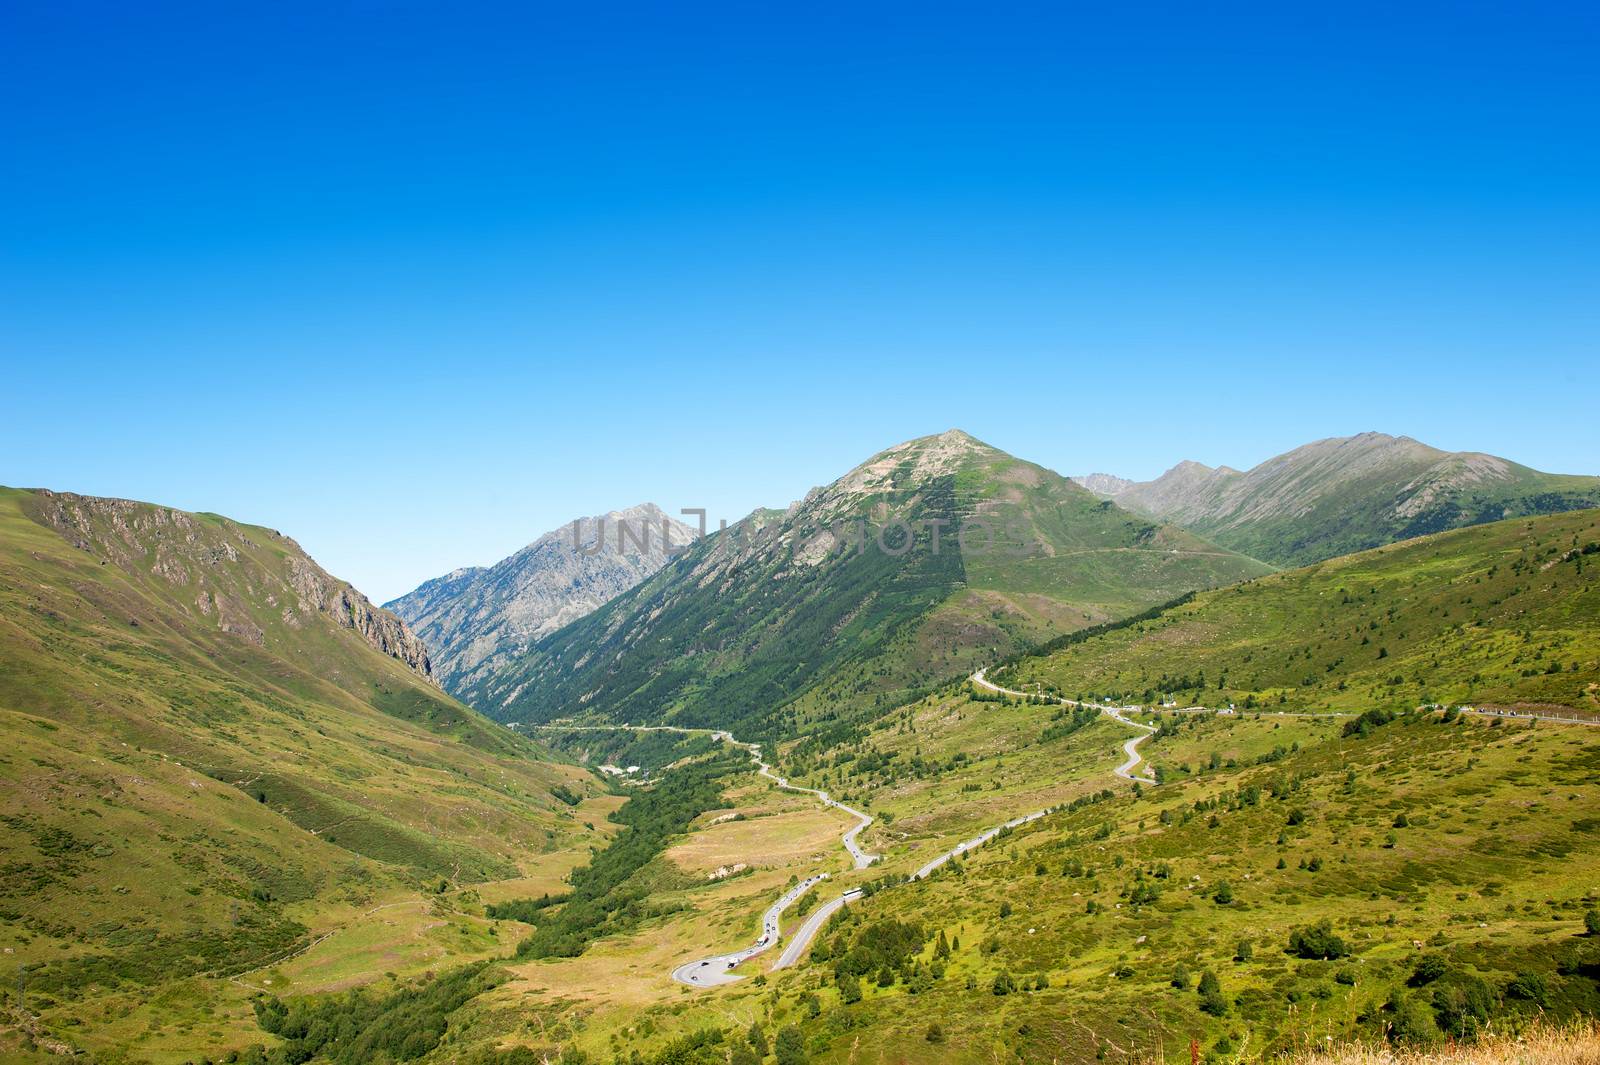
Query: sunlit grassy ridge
column 1497, row 614
column 1474, row 840
column 205, row 770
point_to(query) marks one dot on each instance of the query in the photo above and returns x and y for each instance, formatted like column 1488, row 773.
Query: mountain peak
column 474, row 617
column 932, row 556
column 949, row 441
column 914, row 462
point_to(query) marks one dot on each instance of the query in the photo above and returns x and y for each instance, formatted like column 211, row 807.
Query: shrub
column 1462, row 1006
column 934, row 1034
column 1317, row 941
column 1413, row 1022
column 1372, row 719
column 1211, row 997
column 1430, row 967
column 790, row 1048
column 1530, row 987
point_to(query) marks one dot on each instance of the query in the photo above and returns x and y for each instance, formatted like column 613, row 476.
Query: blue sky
column 415, row 283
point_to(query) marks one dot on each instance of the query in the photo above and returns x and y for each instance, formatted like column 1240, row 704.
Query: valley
column 565, row 534
column 1089, row 800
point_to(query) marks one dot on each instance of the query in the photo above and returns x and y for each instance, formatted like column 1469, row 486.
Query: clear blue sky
column 414, row 283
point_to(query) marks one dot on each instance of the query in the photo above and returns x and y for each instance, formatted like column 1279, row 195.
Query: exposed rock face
column 477, row 617
column 1104, row 484
column 1345, row 494
column 215, row 568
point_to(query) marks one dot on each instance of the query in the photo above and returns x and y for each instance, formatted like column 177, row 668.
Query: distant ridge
column 1344, row 494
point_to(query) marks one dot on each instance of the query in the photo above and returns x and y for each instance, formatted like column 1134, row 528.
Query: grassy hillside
column 216, row 754
column 1003, row 554
column 1499, row 614
column 1453, row 861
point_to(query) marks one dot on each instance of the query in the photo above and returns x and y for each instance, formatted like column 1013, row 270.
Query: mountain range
column 477, row 619
column 1344, row 494
column 237, row 807
column 929, row 557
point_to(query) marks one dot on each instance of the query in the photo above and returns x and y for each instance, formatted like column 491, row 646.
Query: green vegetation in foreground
column 361, row 1026
column 783, row 620
column 1423, row 880
column 204, row 772
column 1500, row 614
column 1414, row 881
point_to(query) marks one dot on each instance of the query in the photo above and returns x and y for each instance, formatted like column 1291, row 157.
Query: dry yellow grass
column 1577, row 1044
column 803, row 836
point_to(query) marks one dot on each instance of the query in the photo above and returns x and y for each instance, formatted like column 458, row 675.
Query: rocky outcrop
column 244, row 579
column 475, row 618
column 1104, row 484
column 352, row 610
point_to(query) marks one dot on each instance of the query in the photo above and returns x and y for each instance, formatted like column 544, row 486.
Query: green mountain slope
column 831, row 601
column 1337, row 496
column 1503, row 613
column 212, row 749
column 1453, row 861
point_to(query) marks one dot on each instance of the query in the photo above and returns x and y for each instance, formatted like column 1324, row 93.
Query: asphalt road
column 808, row 931
column 709, row 972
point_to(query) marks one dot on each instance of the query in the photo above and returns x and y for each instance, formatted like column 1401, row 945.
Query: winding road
column 718, row 969
column 708, row 972
column 1131, row 748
